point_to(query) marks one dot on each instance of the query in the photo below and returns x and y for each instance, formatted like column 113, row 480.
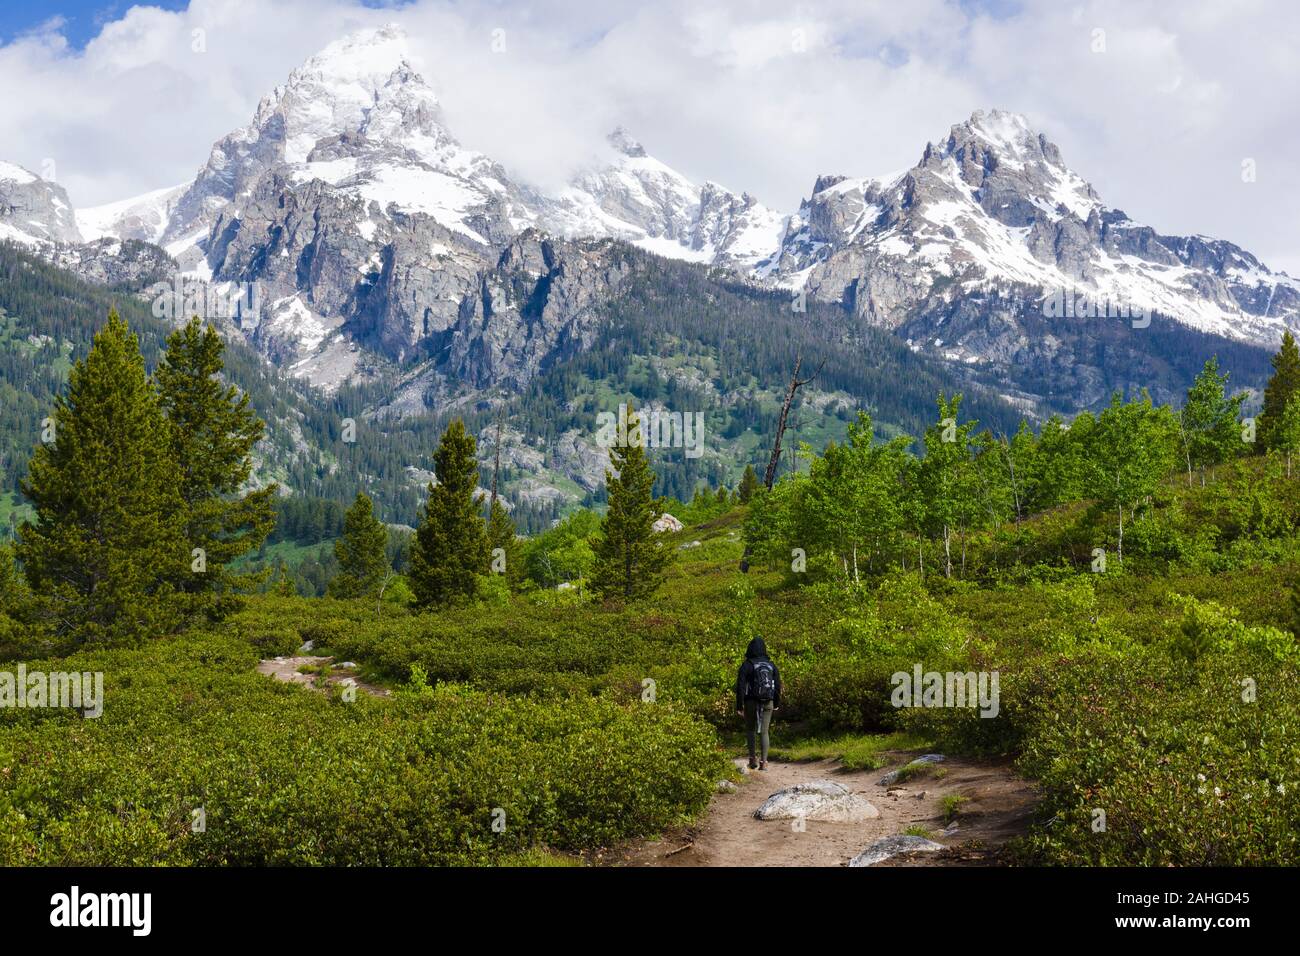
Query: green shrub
column 286, row 776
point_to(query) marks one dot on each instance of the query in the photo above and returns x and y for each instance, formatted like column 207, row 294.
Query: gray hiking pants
column 758, row 714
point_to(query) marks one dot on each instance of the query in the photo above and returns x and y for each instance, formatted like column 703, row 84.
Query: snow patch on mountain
column 140, row 217
column 641, row 200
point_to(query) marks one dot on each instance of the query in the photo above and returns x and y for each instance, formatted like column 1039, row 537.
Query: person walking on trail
column 758, row 693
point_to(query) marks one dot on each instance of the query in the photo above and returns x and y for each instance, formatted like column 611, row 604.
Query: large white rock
column 666, row 522
column 892, row 846
column 821, row 800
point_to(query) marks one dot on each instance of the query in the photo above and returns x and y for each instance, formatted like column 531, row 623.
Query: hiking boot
column 763, row 765
column 753, row 765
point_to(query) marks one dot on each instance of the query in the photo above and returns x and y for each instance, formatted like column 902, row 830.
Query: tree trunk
column 1121, row 534
column 947, row 552
column 795, row 384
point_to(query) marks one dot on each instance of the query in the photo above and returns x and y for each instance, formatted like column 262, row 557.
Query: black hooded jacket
column 757, row 651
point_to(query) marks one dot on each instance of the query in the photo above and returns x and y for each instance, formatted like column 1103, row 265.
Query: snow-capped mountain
column 358, row 118
column 363, row 232
column 994, row 205
column 640, row 200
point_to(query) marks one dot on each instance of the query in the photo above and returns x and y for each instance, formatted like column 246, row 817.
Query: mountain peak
column 1001, row 126
column 372, row 53
column 625, row 143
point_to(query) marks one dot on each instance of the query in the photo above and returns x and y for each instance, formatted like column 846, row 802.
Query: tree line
column 872, row 505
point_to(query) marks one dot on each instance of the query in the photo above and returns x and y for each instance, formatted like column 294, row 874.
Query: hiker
column 758, row 693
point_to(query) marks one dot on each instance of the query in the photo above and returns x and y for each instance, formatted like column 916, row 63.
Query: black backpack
column 762, row 680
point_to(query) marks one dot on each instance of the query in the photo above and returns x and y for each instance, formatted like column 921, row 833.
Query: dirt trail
column 997, row 806
column 286, row 669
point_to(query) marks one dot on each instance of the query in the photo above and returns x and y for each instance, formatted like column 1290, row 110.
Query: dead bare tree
column 796, row 383
column 774, row 461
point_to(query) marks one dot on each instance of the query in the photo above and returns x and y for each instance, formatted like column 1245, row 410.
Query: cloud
column 1157, row 104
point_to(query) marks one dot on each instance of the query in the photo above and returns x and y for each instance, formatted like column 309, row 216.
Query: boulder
column 666, row 523
column 822, row 800
column 892, row 846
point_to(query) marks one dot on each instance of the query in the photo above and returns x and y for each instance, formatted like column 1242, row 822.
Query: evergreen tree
column 501, row 535
column 629, row 562
column 450, row 550
column 212, row 434
column 108, row 544
column 363, row 560
column 1283, row 384
column 1210, row 432
column 282, row 580
column 748, row 485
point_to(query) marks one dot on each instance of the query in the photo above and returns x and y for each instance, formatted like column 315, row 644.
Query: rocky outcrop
column 130, row 264
column 34, row 210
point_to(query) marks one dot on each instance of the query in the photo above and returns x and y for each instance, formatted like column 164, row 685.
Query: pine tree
column 629, row 562
column 361, row 553
column 748, row 485
column 1210, row 431
column 503, row 540
column 450, row 549
column 108, row 543
column 502, row 535
column 212, row 433
column 1284, row 383
column 282, row 580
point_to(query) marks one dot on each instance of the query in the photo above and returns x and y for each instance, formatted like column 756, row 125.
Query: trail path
column 286, row 669
column 997, row 807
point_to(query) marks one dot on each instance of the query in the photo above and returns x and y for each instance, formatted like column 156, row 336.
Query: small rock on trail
column 893, row 775
column 882, row 850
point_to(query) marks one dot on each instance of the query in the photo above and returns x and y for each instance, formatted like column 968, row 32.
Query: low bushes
column 286, row 776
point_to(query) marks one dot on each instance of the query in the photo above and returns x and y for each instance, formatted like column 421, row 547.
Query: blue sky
column 82, row 19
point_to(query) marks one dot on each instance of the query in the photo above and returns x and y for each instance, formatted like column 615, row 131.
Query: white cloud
column 761, row 95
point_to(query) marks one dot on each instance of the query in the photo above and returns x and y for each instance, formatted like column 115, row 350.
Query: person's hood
column 756, row 649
